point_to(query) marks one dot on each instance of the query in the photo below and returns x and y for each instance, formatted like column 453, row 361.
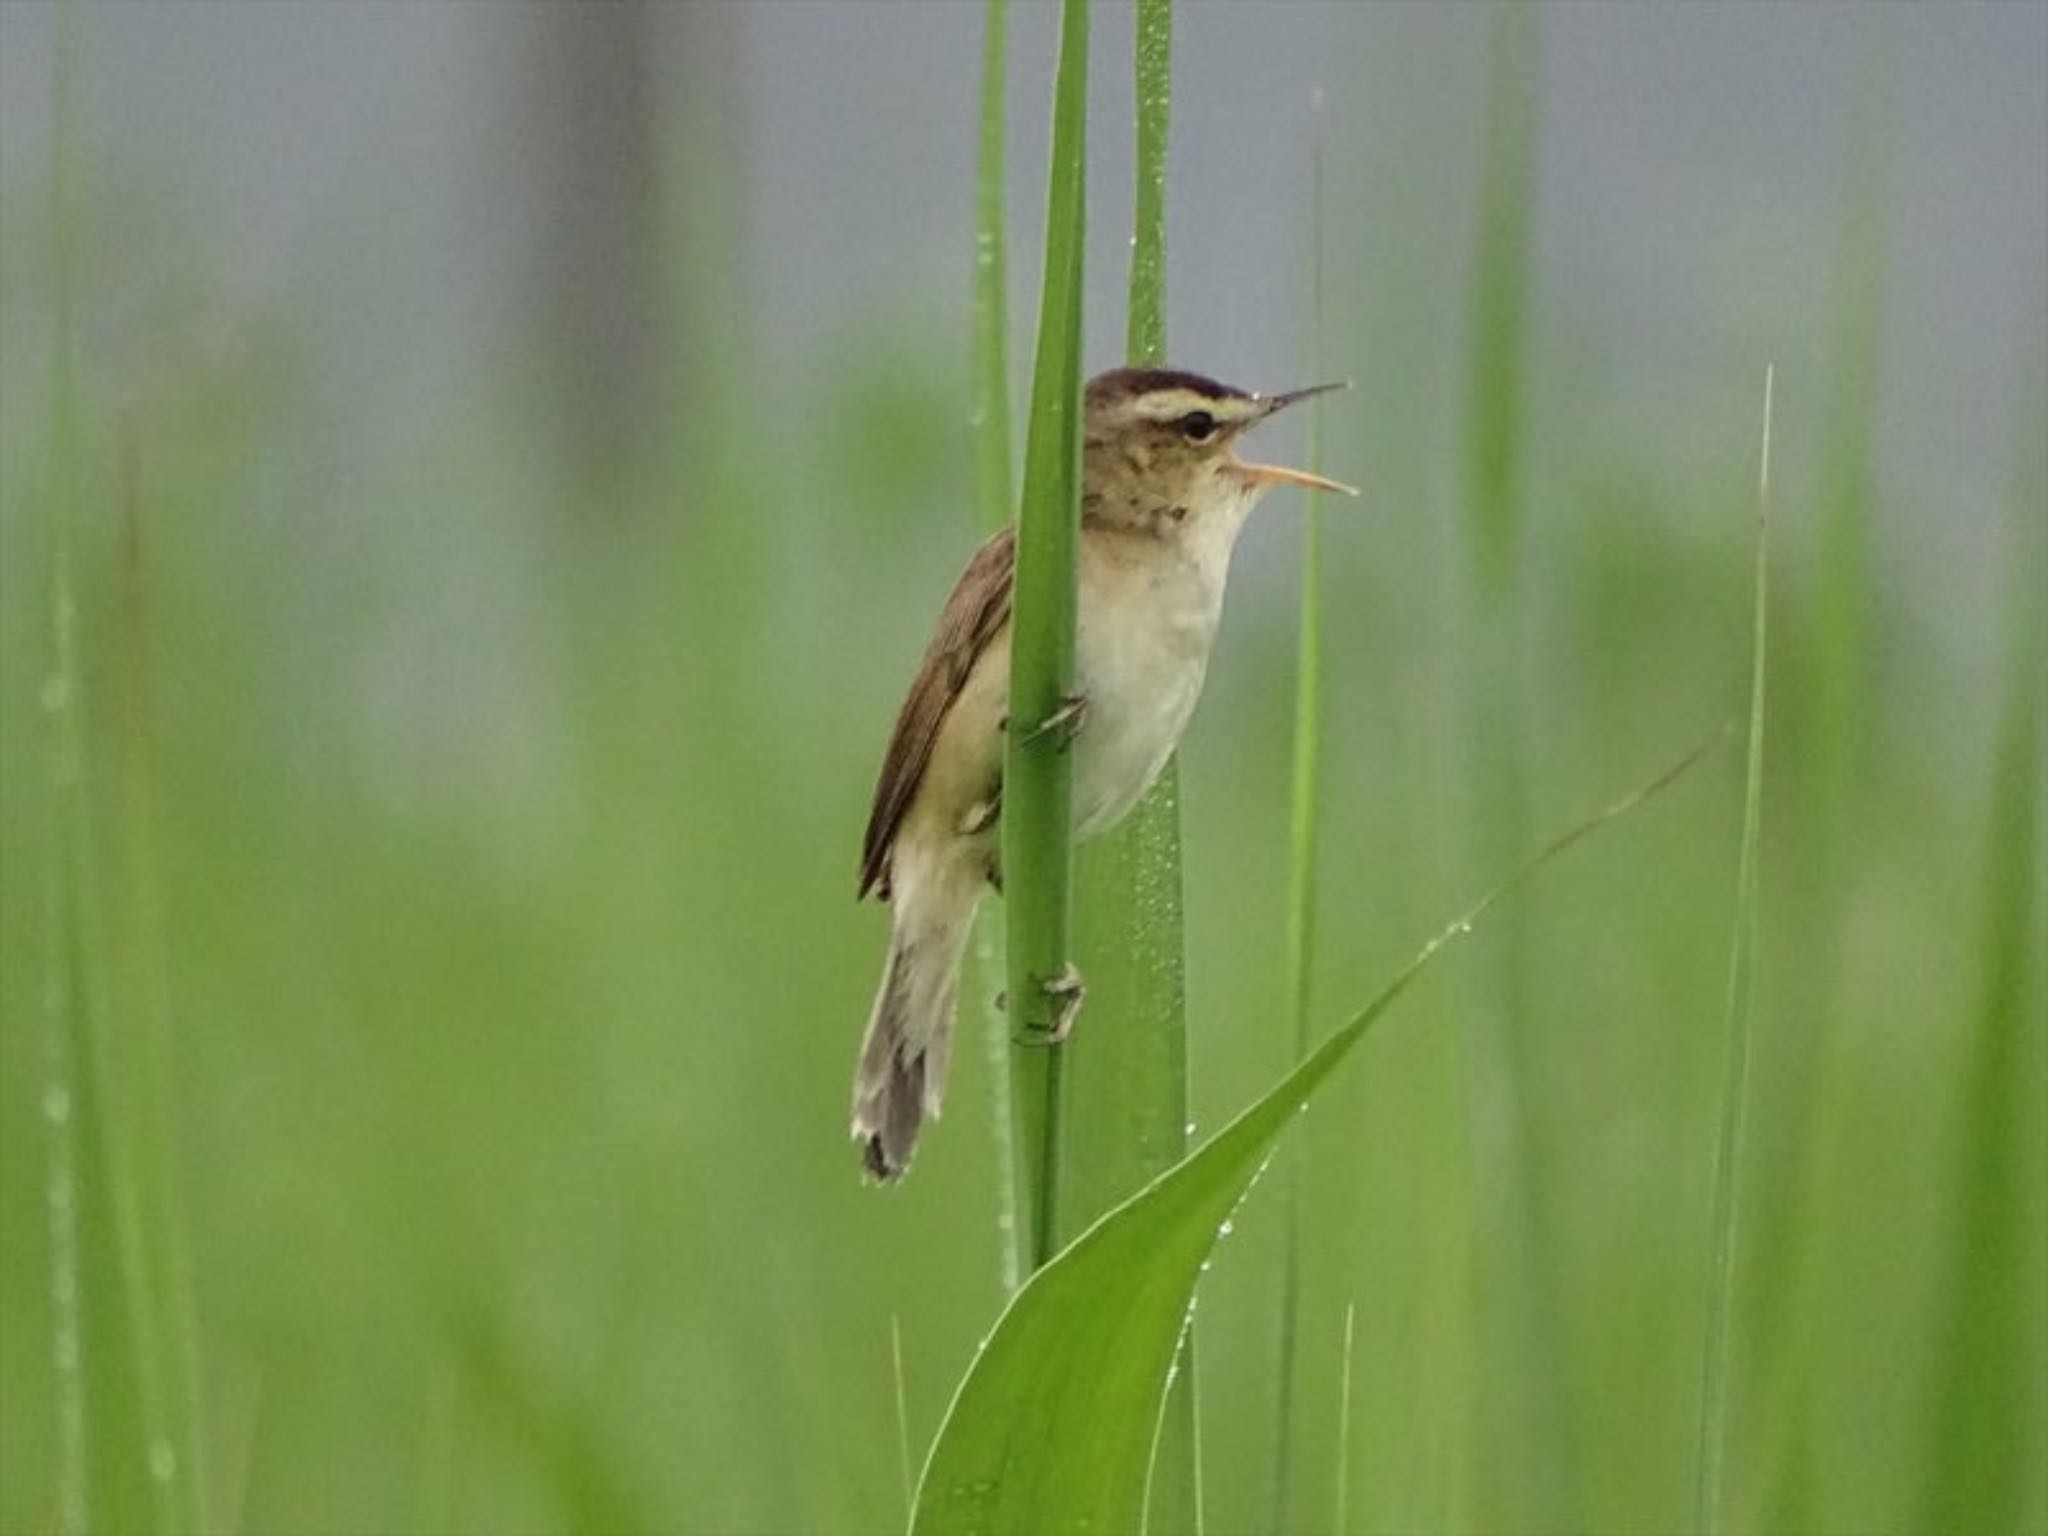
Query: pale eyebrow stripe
column 1168, row 404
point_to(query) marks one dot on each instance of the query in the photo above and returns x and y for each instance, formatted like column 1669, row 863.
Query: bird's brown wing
column 973, row 616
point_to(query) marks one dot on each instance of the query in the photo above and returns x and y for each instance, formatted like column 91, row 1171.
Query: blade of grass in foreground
column 1052, row 1429
column 1301, row 872
column 989, row 416
column 1037, row 787
column 1725, row 1234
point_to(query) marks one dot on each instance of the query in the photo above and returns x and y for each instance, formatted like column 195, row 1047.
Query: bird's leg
column 1067, row 994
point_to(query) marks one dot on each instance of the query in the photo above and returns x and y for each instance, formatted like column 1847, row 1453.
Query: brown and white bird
column 1163, row 499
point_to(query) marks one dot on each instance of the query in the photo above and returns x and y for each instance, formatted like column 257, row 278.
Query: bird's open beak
column 1280, row 474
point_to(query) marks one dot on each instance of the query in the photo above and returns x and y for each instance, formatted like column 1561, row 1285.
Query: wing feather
column 974, row 615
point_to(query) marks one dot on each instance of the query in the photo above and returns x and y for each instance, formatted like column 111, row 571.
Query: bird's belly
column 1140, row 681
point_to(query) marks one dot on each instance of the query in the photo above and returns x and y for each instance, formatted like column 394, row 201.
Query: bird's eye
column 1197, row 426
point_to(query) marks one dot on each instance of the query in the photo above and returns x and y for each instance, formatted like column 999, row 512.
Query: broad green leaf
column 1052, row 1430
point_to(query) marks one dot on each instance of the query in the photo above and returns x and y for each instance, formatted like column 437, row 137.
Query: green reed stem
column 1299, row 952
column 1712, row 1457
column 1037, row 777
column 989, row 415
column 65, row 843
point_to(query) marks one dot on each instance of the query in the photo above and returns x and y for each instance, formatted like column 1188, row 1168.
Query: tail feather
column 901, row 1076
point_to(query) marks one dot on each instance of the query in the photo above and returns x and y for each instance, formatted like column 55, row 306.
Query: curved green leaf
column 1052, row 1429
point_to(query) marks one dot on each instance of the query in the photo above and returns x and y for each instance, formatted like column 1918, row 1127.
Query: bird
column 1164, row 497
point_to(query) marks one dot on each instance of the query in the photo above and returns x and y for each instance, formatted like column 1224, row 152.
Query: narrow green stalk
column 1841, row 687
column 902, row 1414
column 1037, row 778
column 1500, row 293
column 989, row 415
column 1128, row 1098
column 1301, row 871
column 1152, row 65
column 170, row 1307
column 1128, row 1066
column 64, row 992
column 1529, row 1473
column 1340, row 1518
column 1993, row 1401
column 1795, row 1216
column 990, row 382
column 1711, row 1463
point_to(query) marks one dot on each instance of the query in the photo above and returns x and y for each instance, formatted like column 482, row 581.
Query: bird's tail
column 901, row 1074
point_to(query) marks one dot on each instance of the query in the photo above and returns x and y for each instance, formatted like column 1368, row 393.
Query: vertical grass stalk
column 1037, row 779
column 989, row 416
column 166, row 1312
column 1298, row 955
column 1994, row 1312
column 65, row 845
column 990, row 361
column 1128, row 1067
column 1529, row 1473
column 1340, row 1518
column 1795, row 1215
column 1500, row 299
column 1128, row 1094
column 902, row 1414
column 1725, row 1233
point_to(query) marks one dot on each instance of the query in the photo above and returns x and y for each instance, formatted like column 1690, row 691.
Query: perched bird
column 1163, row 498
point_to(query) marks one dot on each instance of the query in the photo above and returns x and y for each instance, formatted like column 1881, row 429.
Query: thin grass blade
column 990, row 420
column 64, row 987
column 1298, row 955
column 1724, row 1244
column 1037, row 787
column 1128, row 1065
column 1993, row 1340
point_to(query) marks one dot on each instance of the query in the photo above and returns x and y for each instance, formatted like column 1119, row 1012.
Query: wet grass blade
column 65, row 995
column 1724, row 1244
column 1128, row 1091
column 1037, row 787
column 1052, row 1429
column 1128, row 1063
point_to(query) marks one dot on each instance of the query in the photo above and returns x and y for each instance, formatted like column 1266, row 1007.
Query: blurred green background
column 513, row 457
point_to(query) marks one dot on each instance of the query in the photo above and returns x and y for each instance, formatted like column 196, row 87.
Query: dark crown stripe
column 1128, row 383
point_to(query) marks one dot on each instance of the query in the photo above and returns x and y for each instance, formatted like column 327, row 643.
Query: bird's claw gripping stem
column 1067, row 994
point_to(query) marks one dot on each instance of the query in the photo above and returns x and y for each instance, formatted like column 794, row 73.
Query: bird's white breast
column 1142, row 640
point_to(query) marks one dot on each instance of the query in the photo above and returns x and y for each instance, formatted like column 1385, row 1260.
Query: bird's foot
column 1067, row 994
